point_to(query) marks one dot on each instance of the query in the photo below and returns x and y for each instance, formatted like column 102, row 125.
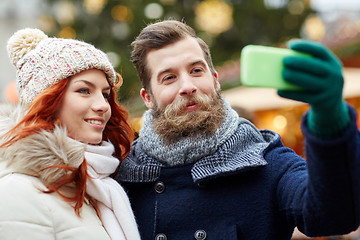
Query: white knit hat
column 42, row 61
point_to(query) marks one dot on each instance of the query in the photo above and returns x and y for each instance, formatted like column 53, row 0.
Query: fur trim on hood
column 34, row 154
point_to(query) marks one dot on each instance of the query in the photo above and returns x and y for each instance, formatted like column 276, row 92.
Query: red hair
column 42, row 115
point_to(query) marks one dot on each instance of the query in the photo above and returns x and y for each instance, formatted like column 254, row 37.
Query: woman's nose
column 100, row 103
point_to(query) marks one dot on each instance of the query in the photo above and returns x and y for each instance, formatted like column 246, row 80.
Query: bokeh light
column 120, row 30
column 46, row 23
column 296, row 7
column 280, row 122
column 10, row 93
column 153, row 11
column 65, row 12
column 114, row 58
column 122, row 13
column 94, row 6
column 275, row 3
column 67, row 32
column 214, row 16
column 314, row 28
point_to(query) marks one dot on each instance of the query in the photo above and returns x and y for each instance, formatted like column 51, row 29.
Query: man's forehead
column 183, row 52
column 192, row 62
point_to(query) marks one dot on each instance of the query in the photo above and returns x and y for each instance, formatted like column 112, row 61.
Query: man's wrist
column 330, row 123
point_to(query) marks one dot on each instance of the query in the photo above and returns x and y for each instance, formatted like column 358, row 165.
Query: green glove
column 322, row 80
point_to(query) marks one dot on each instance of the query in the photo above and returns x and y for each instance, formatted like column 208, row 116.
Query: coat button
column 161, row 236
column 159, row 187
column 200, row 235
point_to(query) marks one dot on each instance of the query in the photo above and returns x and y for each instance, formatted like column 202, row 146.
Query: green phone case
column 262, row 66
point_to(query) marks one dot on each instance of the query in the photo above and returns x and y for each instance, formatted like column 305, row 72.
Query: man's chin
column 174, row 125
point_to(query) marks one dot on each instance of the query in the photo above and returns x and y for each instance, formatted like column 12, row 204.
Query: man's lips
column 191, row 106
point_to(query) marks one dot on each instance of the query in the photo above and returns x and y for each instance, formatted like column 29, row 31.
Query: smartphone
column 262, row 66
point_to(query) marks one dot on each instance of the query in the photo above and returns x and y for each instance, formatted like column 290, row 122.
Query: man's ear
column 217, row 83
column 146, row 96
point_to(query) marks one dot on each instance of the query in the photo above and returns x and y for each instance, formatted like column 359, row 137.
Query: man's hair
column 159, row 35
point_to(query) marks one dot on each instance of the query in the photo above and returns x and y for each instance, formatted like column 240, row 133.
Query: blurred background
column 226, row 26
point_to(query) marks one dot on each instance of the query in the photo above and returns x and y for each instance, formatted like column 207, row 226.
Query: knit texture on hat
column 42, row 61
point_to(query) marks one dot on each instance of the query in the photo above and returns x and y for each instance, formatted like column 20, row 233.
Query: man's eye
column 168, row 78
column 197, row 70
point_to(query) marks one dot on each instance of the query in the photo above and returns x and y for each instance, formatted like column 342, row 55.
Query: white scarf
column 116, row 213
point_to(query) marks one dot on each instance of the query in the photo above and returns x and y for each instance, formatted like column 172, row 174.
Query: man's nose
column 187, row 86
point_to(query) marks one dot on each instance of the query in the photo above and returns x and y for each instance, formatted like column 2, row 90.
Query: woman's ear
column 146, row 96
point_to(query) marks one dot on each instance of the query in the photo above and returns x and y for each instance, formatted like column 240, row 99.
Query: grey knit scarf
column 186, row 150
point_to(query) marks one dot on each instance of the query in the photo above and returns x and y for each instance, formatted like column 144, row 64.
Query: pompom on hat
column 42, row 61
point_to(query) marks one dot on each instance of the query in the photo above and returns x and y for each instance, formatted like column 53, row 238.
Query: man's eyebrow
column 161, row 72
column 164, row 71
column 201, row 62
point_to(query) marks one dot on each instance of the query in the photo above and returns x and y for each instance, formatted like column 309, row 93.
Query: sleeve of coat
column 322, row 197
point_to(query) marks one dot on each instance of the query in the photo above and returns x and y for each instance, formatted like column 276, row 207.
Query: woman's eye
column 106, row 95
column 84, row 91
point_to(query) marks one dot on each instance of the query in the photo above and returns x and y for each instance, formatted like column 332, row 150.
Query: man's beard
column 174, row 122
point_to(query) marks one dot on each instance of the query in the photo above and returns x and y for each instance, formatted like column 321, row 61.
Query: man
column 198, row 171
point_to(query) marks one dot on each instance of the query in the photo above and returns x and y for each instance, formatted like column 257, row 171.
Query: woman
column 61, row 144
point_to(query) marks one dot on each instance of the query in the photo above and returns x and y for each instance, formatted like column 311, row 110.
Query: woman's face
column 85, row 109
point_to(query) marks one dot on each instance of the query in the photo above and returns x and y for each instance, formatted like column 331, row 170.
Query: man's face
column 185, row 95
column 178, row 71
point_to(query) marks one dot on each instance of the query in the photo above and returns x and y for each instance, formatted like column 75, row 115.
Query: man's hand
column 322, row 80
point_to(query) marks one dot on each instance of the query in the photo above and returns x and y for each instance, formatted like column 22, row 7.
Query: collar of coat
column 243, row 151
column 35, row 154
